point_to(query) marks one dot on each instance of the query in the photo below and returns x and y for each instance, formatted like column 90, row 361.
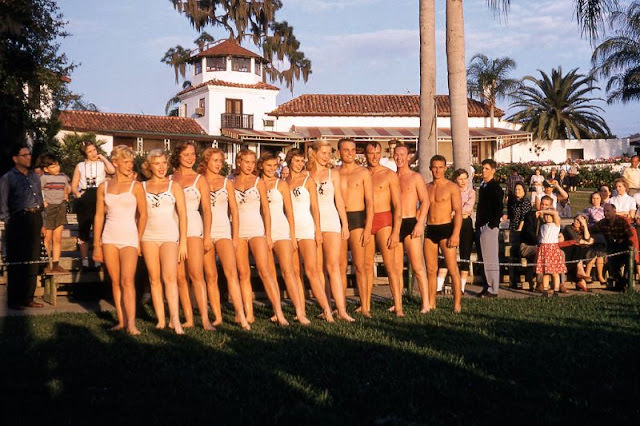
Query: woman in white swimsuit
column 224, row 234
column 304, row 200
column 333, row 219
column 164, row 242
column 282, row 231
column 196, row 195
column 116, row 238
column 254, row 233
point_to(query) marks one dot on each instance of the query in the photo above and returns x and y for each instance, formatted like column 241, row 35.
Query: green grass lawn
column 570, row 360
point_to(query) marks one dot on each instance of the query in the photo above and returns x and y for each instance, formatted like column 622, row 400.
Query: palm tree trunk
column 457, row 77
column 427, row 139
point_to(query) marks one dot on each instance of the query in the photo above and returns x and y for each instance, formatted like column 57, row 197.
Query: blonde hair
column 315, row 147
column 121, row 151
column 206, row 156
column 145, row 167
column 240, row 155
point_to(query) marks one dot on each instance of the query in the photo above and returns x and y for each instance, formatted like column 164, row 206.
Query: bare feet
column 133, row 331
column 425, row 310
column 207, row 326
column 365, row 314
column 178, row 329
column 345, row 316
column 217, row 322
column 391, row 309
column 251, row 319
column 117, row 327
column 327, row 316
column 160, row 325
column 304, row 321
column 187, row 324
column 457, row 309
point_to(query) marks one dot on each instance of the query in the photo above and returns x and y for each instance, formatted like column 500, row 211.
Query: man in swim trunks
column 444, row 221
column 413, row 192
column 387, row 216
column 355, row 182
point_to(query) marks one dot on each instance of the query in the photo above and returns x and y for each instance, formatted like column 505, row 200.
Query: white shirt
column 389, row 163
column 632, row 176
column 624, row 203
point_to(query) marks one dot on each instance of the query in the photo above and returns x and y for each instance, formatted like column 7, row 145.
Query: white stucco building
column 559, row 150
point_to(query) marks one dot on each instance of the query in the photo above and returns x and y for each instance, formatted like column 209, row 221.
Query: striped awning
column 246, row 135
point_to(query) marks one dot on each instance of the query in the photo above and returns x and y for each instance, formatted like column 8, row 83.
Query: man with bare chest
column 355, row 182
column 414, row 202
column 444, row 221
column 387, row 216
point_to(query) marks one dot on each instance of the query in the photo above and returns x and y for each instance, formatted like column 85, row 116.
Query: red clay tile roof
column 103, row 122
column 215, row 82
column 228, row 48
column 371, row 105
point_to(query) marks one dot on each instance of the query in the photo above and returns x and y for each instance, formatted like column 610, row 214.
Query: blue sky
column 356, row 46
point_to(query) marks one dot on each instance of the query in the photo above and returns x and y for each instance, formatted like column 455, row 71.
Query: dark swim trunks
column 437, row 233
column 406, row 227
column 381, row 220
column 356, row 219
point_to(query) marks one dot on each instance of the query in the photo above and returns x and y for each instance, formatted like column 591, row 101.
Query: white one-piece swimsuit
column 251, row 224
column 301, row 201
column 329, row 217
column 162, row 220
column 279, row 222
column 120, row 226
column 220, row 224
column 192, row 200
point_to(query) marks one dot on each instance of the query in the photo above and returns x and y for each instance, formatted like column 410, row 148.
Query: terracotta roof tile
column 227, row 48
column 103, row 122
column 371, row 105
column 215, row 82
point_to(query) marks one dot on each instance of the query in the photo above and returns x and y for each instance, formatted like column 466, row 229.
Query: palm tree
column 489, row 80
column 177, row 57
column 618, row 57
column 427, row 139
column 558, row 107
column 457, row 78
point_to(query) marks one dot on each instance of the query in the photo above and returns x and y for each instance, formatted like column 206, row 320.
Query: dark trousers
column 466, row 242
column 23, row 244
column 86, row 212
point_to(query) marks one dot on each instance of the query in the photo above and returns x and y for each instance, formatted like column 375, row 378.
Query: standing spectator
column 517, row 211
column 553, row 175
column 488, row 216
column 535, row 185
column 87, row 176
column 631, row 175
column 617, row 233
column 550, row 257
column 21, row 206
column 55, row 191
column 529, row 245
column 512, row 180
column 573, row 177
column 388, row 161
column 468, row 198
column 550, row 189
column 563, row 180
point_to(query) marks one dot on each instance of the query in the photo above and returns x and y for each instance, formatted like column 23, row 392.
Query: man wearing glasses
column 21, row 207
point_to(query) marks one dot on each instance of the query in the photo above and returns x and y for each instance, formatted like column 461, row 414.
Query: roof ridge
column 128, row 114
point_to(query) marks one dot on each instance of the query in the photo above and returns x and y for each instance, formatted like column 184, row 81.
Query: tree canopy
column 254, row 20
column 618, row 56
column 559, row 106
column 33, row 73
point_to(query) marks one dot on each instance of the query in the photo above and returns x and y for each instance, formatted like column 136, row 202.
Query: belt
column 32, row 209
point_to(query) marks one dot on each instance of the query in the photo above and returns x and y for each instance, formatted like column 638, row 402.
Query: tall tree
column 559, row 107
column 618, row 56
column 177, row 57
column 254, row 20
column 428, row 128
column 30, row 61
column 457, row 78
column 489, row 80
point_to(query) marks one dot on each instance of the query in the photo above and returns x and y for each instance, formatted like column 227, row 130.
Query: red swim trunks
column 381, row 220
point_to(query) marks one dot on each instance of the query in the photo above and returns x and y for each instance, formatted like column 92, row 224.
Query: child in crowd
column 550, row 257
column 55, row 191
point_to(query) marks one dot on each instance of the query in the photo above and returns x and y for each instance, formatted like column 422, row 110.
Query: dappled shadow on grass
column 528, row 362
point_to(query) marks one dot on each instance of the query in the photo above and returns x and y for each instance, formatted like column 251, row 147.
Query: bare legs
column 309, row 251
column 224, row 248
column 331, row 244
column 431, row 257
column 194, row 264
column 413, row 246
column 284, row 251
column 358, row 261
column 121, row 265
column 389, row 259
column 162, row 261
column 260, row 251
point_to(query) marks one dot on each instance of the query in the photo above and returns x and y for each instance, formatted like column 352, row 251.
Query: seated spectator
column 517, row 210
column 577, row 247
column 564, row 181
column 595, row 213
column 617, row 234
column 626, row 207
column 513, row 179
column 529, row 247
column 605, row 194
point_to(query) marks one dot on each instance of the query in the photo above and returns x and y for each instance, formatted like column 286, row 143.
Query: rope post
column 631, row 270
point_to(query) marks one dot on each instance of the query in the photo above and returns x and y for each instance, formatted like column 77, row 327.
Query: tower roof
column 227, row 47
